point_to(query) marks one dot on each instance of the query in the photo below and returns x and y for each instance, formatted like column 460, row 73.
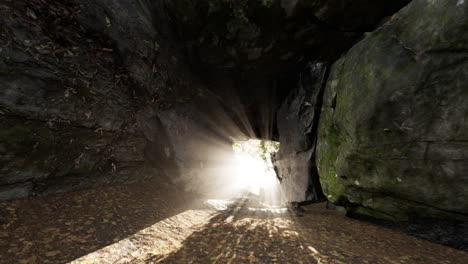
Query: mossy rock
column 393, row 123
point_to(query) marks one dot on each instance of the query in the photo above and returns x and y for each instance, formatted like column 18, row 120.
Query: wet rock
column 297, row 126
column 392, row 135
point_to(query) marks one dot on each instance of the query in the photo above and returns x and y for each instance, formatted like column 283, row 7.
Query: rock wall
column 99, row 92
column 393, row 128
column 74, row 77
column 246, row 47
column 38, row 159
column 297, row 127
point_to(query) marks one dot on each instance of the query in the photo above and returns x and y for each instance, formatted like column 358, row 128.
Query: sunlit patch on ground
column 234, row 206
column 157, row 240
column 321, row 237
column 219, row 205
column 154, row 223
column 202, row 236
column 61, row 228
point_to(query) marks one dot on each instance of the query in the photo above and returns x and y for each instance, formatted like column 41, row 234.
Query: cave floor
column 150, row 223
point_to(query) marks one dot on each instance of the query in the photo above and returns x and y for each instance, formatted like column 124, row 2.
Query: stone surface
column 297, row 126
column 74, row 75
column 272, row 36
column 244, row 49
column 38, row 159
column 99, row 92
column 141, row 33
column 393, row 129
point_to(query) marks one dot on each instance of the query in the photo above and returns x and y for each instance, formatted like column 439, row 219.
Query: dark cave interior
column 111, row 107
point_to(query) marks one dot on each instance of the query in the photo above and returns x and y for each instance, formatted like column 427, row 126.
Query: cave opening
column 251, row 179
column 254, row 168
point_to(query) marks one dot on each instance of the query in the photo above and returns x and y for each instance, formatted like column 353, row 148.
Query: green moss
column 396, row 89
column 327, row 155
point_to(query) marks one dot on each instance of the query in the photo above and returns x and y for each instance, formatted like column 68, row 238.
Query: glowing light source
column 253, row 167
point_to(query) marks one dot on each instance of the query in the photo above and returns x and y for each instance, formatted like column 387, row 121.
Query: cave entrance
column 255, row 174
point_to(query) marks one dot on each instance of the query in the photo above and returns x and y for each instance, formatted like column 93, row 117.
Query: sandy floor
column 148, row 223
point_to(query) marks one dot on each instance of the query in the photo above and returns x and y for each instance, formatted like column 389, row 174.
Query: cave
column 233, row 131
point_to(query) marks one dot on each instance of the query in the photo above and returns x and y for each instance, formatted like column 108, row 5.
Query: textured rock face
column 39, row 159
column 297, row 127
column 393, row 129
column 73, row 76
column 274, row 35
column 251, row 43
column 98, row 92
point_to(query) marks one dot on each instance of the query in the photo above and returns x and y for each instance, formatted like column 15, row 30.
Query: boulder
column 393, row 128
column 297, row 126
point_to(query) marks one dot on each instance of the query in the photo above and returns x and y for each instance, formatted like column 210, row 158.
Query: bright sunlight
column 253, row 166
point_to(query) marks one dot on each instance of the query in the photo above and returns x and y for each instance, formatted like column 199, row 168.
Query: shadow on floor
column 451, row 233
column 63, row 227
column 239, row 235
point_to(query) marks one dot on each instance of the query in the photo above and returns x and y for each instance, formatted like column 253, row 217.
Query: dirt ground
column 150, row 223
